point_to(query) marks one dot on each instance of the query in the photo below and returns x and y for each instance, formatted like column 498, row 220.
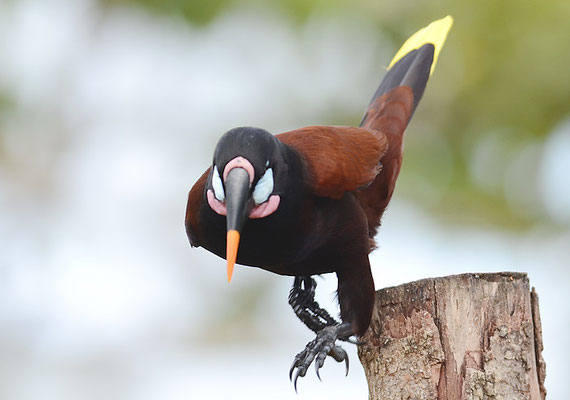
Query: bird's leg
column 302, row 300
column 328, row 330
column 356, row 299
column 318, row 349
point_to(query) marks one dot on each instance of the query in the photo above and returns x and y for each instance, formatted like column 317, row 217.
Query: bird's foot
column 318, row 349
column 302, row 300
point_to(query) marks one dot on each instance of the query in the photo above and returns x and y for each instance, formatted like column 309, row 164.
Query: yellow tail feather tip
column 435, row 33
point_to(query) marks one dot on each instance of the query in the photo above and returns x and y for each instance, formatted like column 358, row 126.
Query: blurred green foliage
column 199, row 12
column 502, row 80
column 5, row 102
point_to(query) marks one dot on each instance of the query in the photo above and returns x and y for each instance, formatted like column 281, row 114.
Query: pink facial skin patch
column 266, row 208
column 239, row 162
column 260, row 211
column 215, row 204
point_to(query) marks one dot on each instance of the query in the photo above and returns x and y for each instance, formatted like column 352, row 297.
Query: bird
column 309, row 201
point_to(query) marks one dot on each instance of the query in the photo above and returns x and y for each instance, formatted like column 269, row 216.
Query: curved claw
column 340, row 355
column 317, row 351
column 295, row 365
column 300, row 373
column 319, row 362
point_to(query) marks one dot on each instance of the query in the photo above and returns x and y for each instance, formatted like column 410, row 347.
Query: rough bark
column 471, row 336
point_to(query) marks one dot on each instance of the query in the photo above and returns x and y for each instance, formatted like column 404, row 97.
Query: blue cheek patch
column 264, row 187
column 217, row 185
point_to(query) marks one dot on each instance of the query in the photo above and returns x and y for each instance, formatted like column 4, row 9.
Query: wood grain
column 471, row 336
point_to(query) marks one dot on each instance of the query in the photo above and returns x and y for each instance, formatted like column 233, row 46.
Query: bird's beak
column 238, row 205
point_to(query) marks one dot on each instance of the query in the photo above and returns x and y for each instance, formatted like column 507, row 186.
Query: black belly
column 291, row 241
column 277, row 244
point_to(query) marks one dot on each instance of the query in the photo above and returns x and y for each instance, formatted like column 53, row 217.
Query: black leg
column 302, row 300
column 328, row 330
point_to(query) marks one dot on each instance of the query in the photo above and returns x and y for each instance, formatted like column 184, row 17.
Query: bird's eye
column 217, row 185
column 264, row 187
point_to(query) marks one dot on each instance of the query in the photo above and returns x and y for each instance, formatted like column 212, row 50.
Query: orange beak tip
column 231, row 251
column 230, row 272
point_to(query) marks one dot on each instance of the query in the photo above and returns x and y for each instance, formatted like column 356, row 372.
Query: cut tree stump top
column 470, row 336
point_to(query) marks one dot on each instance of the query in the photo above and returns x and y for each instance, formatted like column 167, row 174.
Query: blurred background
column 110, row 110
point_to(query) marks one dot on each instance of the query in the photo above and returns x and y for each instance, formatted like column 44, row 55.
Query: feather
column 339, row 159
column 435, row 33
column 392, row 107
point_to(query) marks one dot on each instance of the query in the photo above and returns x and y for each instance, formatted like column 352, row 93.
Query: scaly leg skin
column 319, row 348
column 302, row 300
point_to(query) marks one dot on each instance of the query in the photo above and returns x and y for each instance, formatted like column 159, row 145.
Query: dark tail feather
column 406, row 79
column 391, row 108
column 412, row 71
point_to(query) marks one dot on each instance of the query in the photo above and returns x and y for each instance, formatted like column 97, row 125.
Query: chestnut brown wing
column 339, row 159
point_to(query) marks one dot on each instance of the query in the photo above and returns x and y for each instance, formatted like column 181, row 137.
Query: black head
column 256, row 145
column 244, row 182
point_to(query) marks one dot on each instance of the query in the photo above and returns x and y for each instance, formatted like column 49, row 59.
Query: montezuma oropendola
column 309, row 201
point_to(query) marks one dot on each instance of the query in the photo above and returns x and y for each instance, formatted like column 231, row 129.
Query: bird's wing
column 339, row 159
column 195, row 200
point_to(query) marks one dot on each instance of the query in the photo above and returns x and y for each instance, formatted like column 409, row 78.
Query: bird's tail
column 410, row 68
column 393, row 105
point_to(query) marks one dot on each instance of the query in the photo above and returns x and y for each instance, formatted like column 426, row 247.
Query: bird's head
column 242, row 184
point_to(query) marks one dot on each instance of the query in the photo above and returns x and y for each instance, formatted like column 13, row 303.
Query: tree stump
column 471, row 336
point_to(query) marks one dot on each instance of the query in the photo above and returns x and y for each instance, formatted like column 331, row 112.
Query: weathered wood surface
column 471, row 336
